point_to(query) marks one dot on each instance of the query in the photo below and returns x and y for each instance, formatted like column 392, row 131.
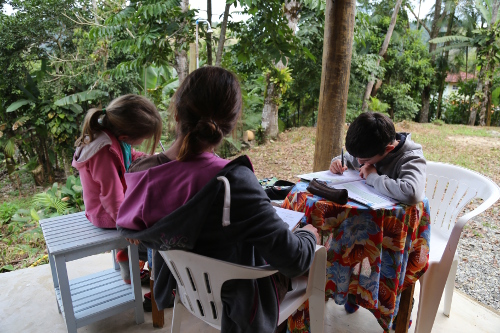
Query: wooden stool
column 93, row 297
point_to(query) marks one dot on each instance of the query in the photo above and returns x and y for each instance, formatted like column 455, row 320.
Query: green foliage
column 83, row 96
column 61, row 200
column 7, row 210
column 260, row 135
column 376, row 105
column 150, row 32
column 402, row 106
column 457, row 107
column 265, row 38
column 281, row 78
column 438, row 122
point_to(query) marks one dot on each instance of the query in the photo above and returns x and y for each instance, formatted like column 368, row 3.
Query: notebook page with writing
column 331, row 178
column 366, row 195
column 290, row 217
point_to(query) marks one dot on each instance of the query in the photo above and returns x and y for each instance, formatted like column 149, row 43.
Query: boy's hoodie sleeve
column 409, row 187
column 102, row 167
column 259, row 225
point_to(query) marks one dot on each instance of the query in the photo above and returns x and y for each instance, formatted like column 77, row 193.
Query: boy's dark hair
column 369, row 134
column 207, row 105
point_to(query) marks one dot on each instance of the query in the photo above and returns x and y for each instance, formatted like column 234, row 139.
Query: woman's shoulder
column 147, row 162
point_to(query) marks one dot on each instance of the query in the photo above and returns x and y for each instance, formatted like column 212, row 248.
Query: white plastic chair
column 199, row 281
column 449, row 188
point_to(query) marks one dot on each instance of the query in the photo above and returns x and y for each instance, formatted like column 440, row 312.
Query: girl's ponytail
column 91, row 126
column 132, row 116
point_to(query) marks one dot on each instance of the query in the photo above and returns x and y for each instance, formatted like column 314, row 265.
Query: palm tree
column 486, row 41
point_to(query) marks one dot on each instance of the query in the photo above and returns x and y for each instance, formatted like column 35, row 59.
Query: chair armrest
column 459, row 225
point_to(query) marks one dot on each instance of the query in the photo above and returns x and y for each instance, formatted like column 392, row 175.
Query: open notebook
column 290, row 217
column 356, row 187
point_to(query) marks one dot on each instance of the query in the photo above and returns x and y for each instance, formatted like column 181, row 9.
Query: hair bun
column 207, row 130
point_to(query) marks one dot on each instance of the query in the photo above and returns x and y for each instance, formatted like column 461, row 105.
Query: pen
column 342, row 158
column 162, row 148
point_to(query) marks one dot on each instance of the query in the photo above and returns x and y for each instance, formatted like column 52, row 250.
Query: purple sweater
column 156, row 192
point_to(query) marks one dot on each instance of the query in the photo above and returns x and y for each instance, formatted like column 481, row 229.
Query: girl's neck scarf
column 127, row 154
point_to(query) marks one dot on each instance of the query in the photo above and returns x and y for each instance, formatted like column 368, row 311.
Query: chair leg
column 450, row 286
column 431, row 290
column 177, row 314
column 317, row 311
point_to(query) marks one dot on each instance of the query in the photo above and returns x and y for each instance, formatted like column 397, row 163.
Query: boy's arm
column 409, row 187
column 349, row 161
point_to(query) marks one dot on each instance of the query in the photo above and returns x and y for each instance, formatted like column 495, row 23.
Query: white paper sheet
column 331, row 178
column 290, row 217
column 367, row 195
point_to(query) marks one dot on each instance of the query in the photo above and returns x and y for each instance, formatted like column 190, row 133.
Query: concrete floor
column 27, row 304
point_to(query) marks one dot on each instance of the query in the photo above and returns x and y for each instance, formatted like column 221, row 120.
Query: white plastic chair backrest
column 449, row 188
column 200, row 279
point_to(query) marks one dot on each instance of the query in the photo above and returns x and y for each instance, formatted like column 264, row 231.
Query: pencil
column 162, row 148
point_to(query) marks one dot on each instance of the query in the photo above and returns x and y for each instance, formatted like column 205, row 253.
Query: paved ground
column 27, row 304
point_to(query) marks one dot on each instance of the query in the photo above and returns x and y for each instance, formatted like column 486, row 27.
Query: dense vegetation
column 61, row 57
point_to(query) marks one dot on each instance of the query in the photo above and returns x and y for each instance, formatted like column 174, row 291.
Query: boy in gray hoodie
column 390, row 162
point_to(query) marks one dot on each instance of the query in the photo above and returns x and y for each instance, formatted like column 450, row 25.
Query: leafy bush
column 457, row 107
column 438, row 122
column 60, row 201
column 260, row 135
column 7, row 210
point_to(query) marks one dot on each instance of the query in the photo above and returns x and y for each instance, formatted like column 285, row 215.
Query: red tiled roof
column 455, row 77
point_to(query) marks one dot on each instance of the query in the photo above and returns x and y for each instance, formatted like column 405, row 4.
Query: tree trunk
column 426, row 94
column 383, row 50
column 270, row 111
column 376, row 88
column 477, row 101
column 418, row 17
column 94, row 5
column 209, row 36
column 335, row 73
column 181, row 60
column 446, row 54
column 222, row 38
column 269, row 125
column 488, row 109
column 487, row 74
column 440, row 99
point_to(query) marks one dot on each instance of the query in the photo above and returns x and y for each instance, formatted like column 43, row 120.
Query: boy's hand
column 366, row 170
column 336, row 167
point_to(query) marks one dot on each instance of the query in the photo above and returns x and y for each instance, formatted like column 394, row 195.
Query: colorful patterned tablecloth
column 368, row 252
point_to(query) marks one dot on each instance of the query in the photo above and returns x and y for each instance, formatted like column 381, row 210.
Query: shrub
column 7, row 210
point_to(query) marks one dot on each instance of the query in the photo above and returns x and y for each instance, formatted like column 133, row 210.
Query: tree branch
column 419, row 20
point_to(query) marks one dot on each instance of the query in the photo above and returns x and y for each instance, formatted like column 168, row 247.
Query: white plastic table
column 93, row 297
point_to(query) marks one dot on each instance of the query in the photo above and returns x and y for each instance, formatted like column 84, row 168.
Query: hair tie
column 215, row 124
column 104, row 110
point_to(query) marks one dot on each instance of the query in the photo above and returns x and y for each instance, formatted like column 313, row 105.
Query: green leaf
column 450, row 39
column 7, row 268
column 34, row 215
column 83, row 96
column 17, row 104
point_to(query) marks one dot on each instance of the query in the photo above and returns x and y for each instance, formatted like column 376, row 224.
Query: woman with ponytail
column 175, row 201
column 104, row 154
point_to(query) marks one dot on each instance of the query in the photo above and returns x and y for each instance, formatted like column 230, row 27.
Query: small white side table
column 93, row 297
